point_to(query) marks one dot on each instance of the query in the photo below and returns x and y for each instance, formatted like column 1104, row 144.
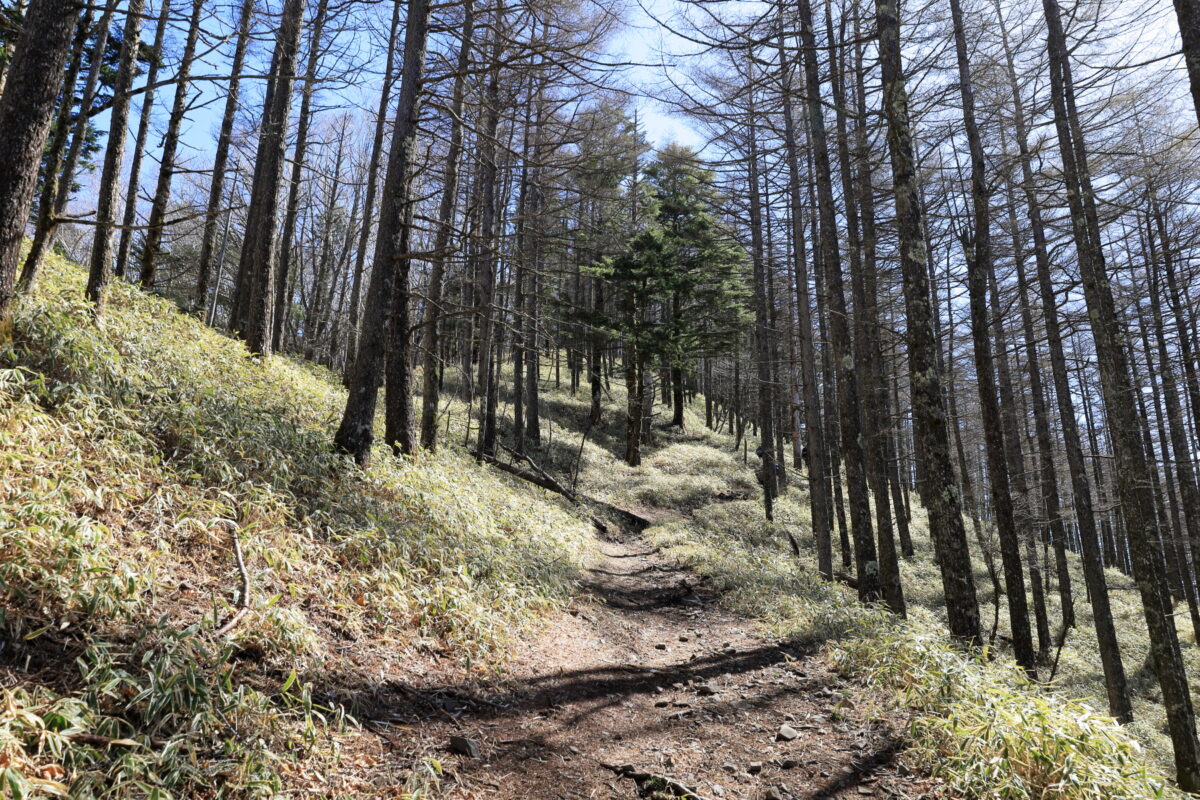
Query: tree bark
column 1093, row 561
column 216, row 189
column 34, row 78
column 1047, row 475
column 929, row 414
column 1187, row 12
column 100, row 268
column 83, row 119
column 488, row 256
column 125, row 242
column 54, row 156
column 857, row 194
column 1185, row 476
column 1132, row 471
column 979, row 266
column 762, row 328
column 850, row 421
column 364, row 236
column 166, row 169
column 299, row 154
column 389, row 284
column 1015, row 461
column 430, row 385
column 256, row 298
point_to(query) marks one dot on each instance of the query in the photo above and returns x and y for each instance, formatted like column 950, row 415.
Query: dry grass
column 123, row 449
column 980, row 725
column 125, row 452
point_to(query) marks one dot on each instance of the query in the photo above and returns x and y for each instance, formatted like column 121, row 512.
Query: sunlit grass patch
column 130, row 454
column 981, row 726
column 990, row 734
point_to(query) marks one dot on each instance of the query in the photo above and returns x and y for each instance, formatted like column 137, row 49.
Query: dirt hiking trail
column 649, row 688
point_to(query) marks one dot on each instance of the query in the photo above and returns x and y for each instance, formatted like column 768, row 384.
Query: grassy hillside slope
column 129, row 456
column 134, row 455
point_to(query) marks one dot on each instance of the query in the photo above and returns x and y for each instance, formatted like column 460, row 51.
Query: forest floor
column 645, row 684
column 433, row 627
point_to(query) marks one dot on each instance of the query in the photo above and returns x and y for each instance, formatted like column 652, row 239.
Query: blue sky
column 642, row 40
column 647, row 42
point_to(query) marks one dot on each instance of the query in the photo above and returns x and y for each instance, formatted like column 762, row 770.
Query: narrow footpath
column 647, row 687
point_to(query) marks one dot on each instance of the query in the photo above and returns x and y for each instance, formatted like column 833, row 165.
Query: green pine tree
column 680, row 281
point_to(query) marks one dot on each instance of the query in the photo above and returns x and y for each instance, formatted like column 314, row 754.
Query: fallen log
column 849, row 580
column 539, row 478
column 626, row 519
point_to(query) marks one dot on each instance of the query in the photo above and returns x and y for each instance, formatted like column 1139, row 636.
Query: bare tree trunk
column 398, row 411
column 1185, row 476
column 1188, row 14
column 166, row 169
column 929, row 413
column 125, row 242
column 364, row 236
column 1048, row 478
column 1015, row 460
column 324, row 284
column 762, row 328
column 1179, row 564
column 100, row 268
column 533, row 417
column 1093, row 560
column 389, row 277
column 83, row 119
column 979, row 266
column 33, row 81
column 261, row 246
column 633, row 388
column 54, row 156
column 299, row 153
column 1132, row 471
column 970, row 500
column 216, row 189
column 486, row 263
column 868, row 358
column 431, row 387
column 594, row 354
column 850, row 420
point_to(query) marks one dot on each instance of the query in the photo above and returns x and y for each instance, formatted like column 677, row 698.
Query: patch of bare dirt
column 655, row 690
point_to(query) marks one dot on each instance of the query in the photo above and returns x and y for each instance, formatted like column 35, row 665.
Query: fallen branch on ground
column 540, row 478
column 243, row 604
column 96, row 740
column 545, row 476
column 648, row 781
column 849, row 580
column 1062, row 640
column 543, row 480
